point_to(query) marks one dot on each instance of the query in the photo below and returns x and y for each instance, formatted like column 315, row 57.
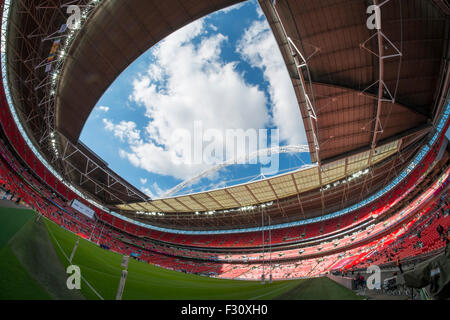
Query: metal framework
column 384, row 94
column 88, row 171
column 46, row 44
column 301, row 64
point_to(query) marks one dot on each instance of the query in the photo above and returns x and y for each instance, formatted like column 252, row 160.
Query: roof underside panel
column 344, row 74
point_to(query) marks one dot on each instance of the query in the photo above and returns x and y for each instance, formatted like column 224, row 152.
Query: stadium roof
column 359, row 91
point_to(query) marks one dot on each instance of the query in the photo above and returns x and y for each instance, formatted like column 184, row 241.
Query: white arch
column 242, row 159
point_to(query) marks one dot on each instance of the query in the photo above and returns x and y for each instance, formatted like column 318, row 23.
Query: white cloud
column 258, row 9
column 103, row 108
column 259, row 48
column 126, row 131
column 187, row 83
column 143, row 181
column 148, row 192
column 156, row 193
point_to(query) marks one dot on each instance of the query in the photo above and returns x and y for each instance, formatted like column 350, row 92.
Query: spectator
column 357, row 280
column 440, row 230
column 399, row 265
column 362, row 282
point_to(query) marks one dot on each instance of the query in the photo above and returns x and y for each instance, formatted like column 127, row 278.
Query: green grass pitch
column 102, row 270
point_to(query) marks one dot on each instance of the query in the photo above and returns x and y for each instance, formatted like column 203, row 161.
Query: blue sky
column 225, row 71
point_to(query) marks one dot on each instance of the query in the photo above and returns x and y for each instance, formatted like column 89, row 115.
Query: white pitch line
column 83, row 278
